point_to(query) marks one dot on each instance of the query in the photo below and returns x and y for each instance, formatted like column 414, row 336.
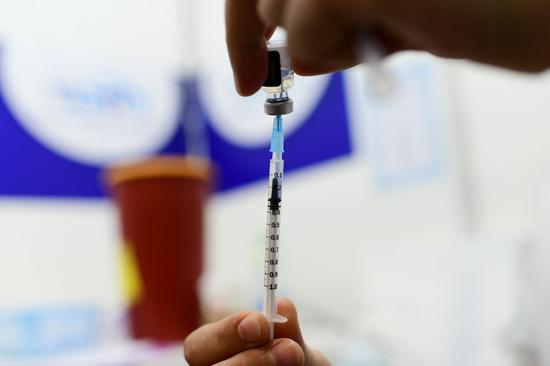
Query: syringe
column 280, row 78
column 275, row 190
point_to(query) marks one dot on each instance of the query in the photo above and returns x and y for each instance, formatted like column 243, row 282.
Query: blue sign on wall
column 52, row 145
column 30, row 167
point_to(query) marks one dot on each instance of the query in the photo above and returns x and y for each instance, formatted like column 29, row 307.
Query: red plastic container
column 161, row 203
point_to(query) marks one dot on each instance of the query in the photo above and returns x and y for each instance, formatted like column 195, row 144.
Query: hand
column 243, row 340
column 322, row 34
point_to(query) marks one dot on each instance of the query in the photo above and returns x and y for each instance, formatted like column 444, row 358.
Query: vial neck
column 277, row 97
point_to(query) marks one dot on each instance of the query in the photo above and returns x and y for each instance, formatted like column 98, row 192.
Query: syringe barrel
column 271, row 273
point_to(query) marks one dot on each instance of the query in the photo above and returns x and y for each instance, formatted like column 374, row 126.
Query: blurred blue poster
column 62, row 120
column 79, row 92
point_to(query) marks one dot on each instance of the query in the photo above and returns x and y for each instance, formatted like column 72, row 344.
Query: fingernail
column 285, row 354
column 249, row 329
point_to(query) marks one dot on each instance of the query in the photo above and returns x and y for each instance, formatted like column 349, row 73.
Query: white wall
column 56, row 252
column 506, row 116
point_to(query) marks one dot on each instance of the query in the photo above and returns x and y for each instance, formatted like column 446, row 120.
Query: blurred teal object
column 47, row 331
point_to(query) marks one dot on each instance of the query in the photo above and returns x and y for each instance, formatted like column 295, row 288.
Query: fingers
column 322, row 34
column 281, row 352
column 316, row 358
column 246, row 44
column 310, row 25
column 291, row 330
column 317, row 41
column 272, row 11
column 242, row 339
column 311, row 69
column 221, row 340
column 315, row 34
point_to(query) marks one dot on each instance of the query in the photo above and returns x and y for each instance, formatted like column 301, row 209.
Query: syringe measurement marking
column 271, row 261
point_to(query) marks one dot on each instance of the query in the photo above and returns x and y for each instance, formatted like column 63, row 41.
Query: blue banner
column 59, row 130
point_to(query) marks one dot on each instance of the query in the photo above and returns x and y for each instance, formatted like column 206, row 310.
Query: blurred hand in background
column 323, row 34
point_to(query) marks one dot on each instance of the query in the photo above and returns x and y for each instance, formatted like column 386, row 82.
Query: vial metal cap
column 278, row 108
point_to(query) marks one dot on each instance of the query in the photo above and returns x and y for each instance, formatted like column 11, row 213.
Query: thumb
column 290, row 329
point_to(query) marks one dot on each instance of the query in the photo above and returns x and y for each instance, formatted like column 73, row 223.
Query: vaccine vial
column 279, row 79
